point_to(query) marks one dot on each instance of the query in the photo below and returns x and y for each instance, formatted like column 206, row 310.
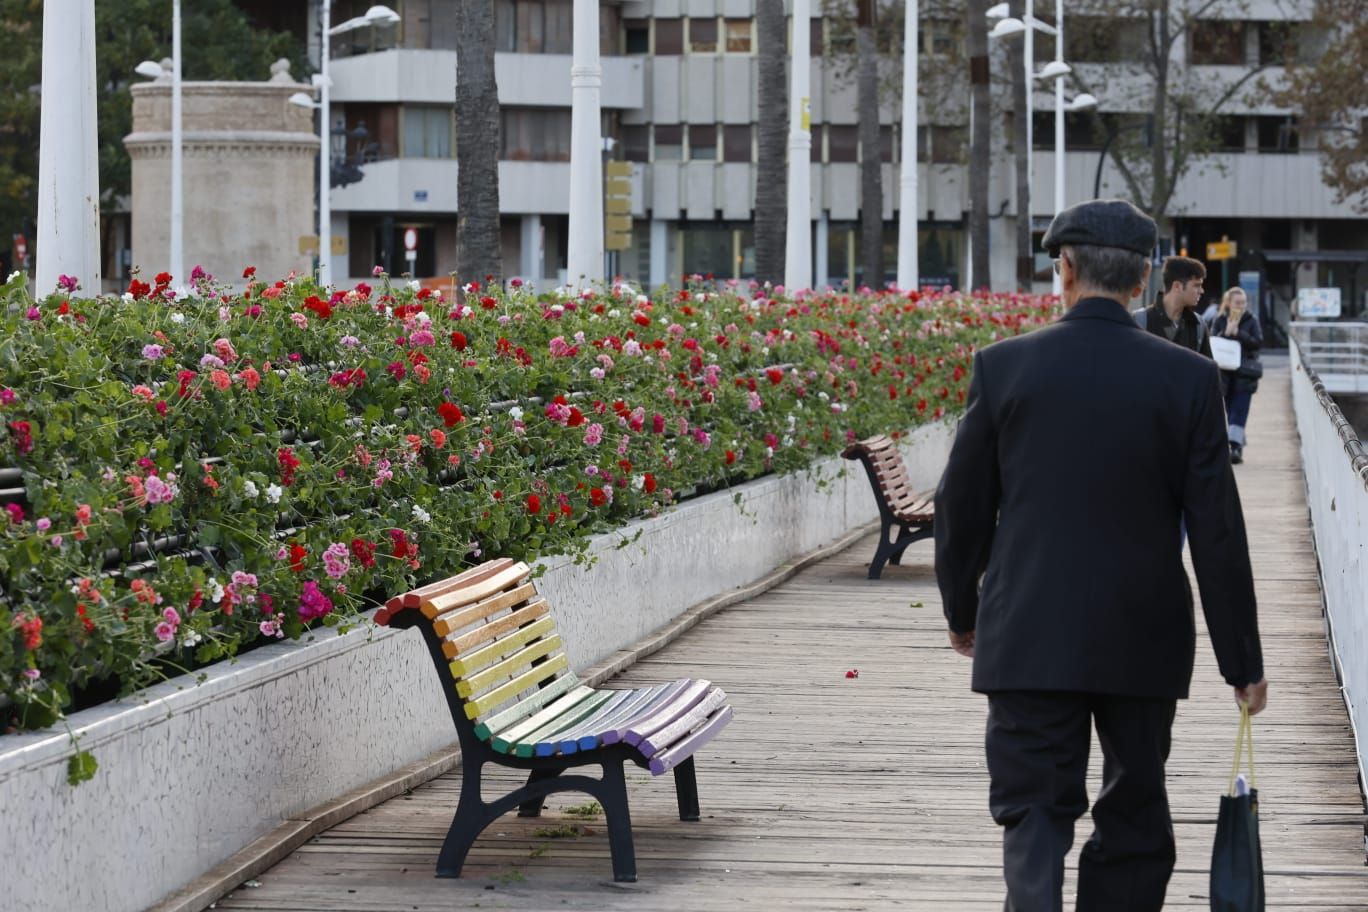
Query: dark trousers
column 1238, row 397
column 1037, row 745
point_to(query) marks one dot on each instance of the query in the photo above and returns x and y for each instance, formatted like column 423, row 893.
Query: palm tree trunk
column 1016, row 61
column 871, row 158
column 980, row 140
column 478, row 252
column 771, row 171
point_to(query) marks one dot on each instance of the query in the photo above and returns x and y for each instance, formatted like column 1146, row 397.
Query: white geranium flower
column 415, row 285
column 515, row 413
column 421, row 515
column 215, row 590
column 178, row 318
column 249, row 488
column 273, row 493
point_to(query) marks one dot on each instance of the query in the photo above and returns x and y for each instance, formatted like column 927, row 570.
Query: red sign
column 410, row 239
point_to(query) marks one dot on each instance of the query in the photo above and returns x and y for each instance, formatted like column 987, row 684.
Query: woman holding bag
column 1235, row 322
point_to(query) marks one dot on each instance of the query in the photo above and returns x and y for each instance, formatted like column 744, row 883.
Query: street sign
column 308, row 243
column 617, row 169
column 618, row 222
column 617, row 205
column 410, row 239
column 1318, row 302
column 1222, row 250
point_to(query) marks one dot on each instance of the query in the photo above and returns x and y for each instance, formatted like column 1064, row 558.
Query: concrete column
column 659, row 253
column 68, row 167
column 584, row 256
column 823, row 277
column 531, row 263
column 798, row 249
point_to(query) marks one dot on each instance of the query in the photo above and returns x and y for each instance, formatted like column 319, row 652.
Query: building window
column 536, row 134
column 1104, row 39
column 843, row 143
column 1279, row 43
column 1228, row 133
column 736, row 143
column 669, row 142
column 1277, row 134
column 941, row 37
column 533, row 26
column 427, row 131
column 817, row 131
column 669, row 36
column 637, row 36
column 738, row 36
column 636, row 143
column 815, row 39
column 703, row 36
column 702, row 142
column 947, row 145
column 1216, row 42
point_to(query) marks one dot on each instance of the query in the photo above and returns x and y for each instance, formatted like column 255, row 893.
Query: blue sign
column 420, row 196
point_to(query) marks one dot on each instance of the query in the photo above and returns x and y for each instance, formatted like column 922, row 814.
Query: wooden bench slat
column 460, row 618
column 619, row 730
column 492, row 630
column 478, row 659
column 510, row 667
column 473, row 592
column 415, row 598
column 666, row 736
column 531, row 744
column 589, row 734
column 500, row 695
column 566, row 734
column 504, row 741
column 644, row 726
column 664, row 762
column 529, row 706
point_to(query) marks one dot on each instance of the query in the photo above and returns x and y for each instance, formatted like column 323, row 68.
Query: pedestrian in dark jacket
column 1174, row 316
column 1236, row 322
column 1058, row 560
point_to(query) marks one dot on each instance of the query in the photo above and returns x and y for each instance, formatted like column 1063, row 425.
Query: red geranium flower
column 297, row 555
column 650, row 483
column 458, row 341
column 533, row 503
column 451, row 414
column 775, row 375
column 597, row 497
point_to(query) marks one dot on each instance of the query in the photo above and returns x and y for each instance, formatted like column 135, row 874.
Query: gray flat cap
column 1102, row 223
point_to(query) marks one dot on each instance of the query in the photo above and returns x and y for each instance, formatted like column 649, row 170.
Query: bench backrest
column 887, row 471
column 502, row 655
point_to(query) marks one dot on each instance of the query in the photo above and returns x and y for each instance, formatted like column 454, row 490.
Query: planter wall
column 190, row 775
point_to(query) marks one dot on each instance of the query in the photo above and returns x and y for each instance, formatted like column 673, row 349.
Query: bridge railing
column 1336, row 467
column 1337, row 352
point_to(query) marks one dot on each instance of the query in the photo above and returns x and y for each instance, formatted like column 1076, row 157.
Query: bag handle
column 1244, row 737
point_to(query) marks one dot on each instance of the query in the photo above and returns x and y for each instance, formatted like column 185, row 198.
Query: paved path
column 836, row 793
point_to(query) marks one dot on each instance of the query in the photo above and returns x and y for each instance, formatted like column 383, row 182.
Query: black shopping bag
column 1236, row 858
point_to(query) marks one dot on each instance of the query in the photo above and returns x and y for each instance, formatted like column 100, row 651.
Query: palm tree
column 478, row 251
column 980, row 139
column 1016, row 69
column 771, row 172
column 871, row 159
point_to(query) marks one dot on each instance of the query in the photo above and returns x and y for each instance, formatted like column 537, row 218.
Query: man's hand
column 963, row 643
column 1256, row 695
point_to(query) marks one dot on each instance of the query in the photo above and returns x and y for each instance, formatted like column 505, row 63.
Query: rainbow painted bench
column 516, row 703
column 900, row 506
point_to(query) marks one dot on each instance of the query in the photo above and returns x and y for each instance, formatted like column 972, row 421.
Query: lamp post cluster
column 1056, row 69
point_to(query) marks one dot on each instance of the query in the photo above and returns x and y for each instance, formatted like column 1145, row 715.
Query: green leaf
column 81, row 768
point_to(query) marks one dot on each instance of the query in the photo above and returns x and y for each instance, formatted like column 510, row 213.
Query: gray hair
column 1109, row 269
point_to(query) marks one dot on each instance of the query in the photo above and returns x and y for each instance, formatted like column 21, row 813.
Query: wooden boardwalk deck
column 832, row 793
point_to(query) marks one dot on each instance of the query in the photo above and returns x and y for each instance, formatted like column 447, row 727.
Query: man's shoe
column 1236, row 454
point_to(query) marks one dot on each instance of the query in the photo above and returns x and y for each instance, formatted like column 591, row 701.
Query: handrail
column 1353, row 446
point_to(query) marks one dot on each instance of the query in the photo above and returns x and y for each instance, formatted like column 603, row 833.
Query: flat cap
column 1102, row 223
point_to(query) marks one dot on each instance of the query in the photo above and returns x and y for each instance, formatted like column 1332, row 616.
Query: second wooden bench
column 913, row 515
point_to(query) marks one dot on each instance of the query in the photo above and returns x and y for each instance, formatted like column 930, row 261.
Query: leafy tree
column 1331, row 93
column 218, row 43
column 478, row 252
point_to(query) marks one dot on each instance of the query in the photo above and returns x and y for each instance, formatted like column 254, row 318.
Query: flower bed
column 191, row 475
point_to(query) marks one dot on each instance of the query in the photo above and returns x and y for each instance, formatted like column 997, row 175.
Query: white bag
column 1227, row 353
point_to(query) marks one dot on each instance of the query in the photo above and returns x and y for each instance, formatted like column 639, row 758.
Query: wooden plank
column 497, row 628
column 500, row 695
column 458, row 619
column 666, row 713
column 589, row 734
column 685, row 748
column 509, row 668
column 482, row 588
column 494, row 651
column 533, row 743
column 530, row 705
column 667, row 735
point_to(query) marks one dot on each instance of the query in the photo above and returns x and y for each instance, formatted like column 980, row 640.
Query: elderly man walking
column 1058, row 558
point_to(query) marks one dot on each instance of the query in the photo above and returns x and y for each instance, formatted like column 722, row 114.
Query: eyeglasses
column 1061, row 258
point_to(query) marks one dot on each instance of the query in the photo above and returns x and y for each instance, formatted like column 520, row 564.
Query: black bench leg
column 534, row 807
column 619, row 822
column 472, row 816
column 900, row 545
column 686, row 790
column 882, row 554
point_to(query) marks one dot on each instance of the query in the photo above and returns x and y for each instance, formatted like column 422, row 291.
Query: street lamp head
column 1054, row 69
column 998, row 11
column 381, row 15
column 151, row 69
column 1082, row 102
column 302, row 99
column 1007, row 27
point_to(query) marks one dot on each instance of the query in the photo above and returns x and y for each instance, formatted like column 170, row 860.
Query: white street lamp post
column 584, row 250
column 376, row 15
column 177, row 265
column 798, row 246
column 908, row 278
column 68, row 167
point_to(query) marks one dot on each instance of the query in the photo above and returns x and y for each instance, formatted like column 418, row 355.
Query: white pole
column 324, row 153
column 177, row 265
column 798, row 248
column 1030, row 106
column 908, row 278
column 68, row 167
column 584, row 254
column 1059, row 199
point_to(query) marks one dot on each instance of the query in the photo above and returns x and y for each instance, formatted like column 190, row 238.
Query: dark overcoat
column 1082, row 448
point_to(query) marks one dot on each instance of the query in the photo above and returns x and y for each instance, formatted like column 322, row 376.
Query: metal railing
column 1336, row 352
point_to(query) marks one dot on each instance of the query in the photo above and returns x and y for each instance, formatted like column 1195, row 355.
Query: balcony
column 429, row 185
column 429, row 77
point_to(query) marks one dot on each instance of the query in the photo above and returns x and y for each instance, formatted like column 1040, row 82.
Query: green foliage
column 218, row 43
column 200, row 473
column 81, row 767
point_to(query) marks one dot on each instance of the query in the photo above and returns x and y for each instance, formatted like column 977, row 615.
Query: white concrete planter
column 190, row 775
